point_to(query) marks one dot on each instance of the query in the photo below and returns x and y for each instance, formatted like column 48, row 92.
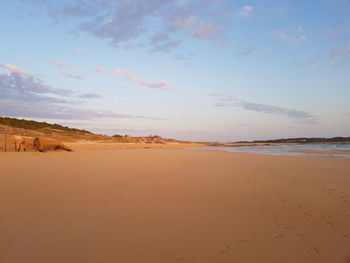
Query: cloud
column 246, row 51
column 125, row 23
column 231, row 101
column 59, row 64
column 292, row 35
column 161, row 42
column 28, row 90
column 89, row 96
column 197, row 29
column 306, row 61
column 147, row 83
column 341, row 52
column 101, row 70
column 14, row 69
column 68, row 75
column 246, row 11
column 339, row 31
column 339, row 56
column 26, row 96
column 335, row 64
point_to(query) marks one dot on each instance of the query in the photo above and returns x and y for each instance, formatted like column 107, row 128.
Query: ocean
column 328, row 150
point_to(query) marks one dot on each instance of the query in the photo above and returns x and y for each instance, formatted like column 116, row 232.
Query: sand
column 324, row 152
column 101, row 204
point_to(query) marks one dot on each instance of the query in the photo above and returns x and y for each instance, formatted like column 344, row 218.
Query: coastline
column 107, row 204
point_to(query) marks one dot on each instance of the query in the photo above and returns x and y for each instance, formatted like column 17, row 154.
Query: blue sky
column 219, row 70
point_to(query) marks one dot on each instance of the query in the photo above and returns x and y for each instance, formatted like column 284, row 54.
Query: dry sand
column 100, row 204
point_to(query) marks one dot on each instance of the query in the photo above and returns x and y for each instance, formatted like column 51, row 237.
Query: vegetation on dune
column 35, row 125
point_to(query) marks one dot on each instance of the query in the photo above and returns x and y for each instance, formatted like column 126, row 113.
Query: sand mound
column 47, row 144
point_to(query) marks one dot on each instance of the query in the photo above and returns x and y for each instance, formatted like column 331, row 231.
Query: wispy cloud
column 197, row 29
column 72, row 76
column 292, row 35
column 89, row 96
column 161, row 42
column 246, row 51
column 339, row 31
column 231, row 101
column 14, row 69
column 59, row 64
column 339, row 57
column 341, row 53
column 130, row 76
column 101, row 70
column 246, row 11
column 306, row 61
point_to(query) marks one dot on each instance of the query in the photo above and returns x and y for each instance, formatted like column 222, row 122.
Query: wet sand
column 101, row 204
column 323, row 152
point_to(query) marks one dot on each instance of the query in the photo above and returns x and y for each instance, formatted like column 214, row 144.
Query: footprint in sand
column 279, row 235
column 312, row 222
column 288, row 227
column 224, row 250
column 315, row 249
column 346, row 202
column 243, row 240
column 185, row 258
column 301, row 236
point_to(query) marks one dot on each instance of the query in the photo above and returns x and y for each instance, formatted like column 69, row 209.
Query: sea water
column 335, row 150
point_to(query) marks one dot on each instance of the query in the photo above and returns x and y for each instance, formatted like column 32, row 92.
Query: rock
column 47, row 144
column 26, row 145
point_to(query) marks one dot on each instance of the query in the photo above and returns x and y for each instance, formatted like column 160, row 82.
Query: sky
column 204, row 70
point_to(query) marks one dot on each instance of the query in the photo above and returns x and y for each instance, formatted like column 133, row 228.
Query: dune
column 106, row 204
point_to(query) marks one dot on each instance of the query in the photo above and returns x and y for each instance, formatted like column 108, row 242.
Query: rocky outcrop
column 148, row 139
column 47, row 144
column 26, row 145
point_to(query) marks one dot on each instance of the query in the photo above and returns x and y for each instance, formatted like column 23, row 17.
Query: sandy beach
column 105, row 204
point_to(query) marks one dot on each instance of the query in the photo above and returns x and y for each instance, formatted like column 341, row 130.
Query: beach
column 130, row 204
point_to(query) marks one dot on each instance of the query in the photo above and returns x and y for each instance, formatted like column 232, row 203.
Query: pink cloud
column 14, row 69
column 68, row 75
column 138, row 80
column 59, row 64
